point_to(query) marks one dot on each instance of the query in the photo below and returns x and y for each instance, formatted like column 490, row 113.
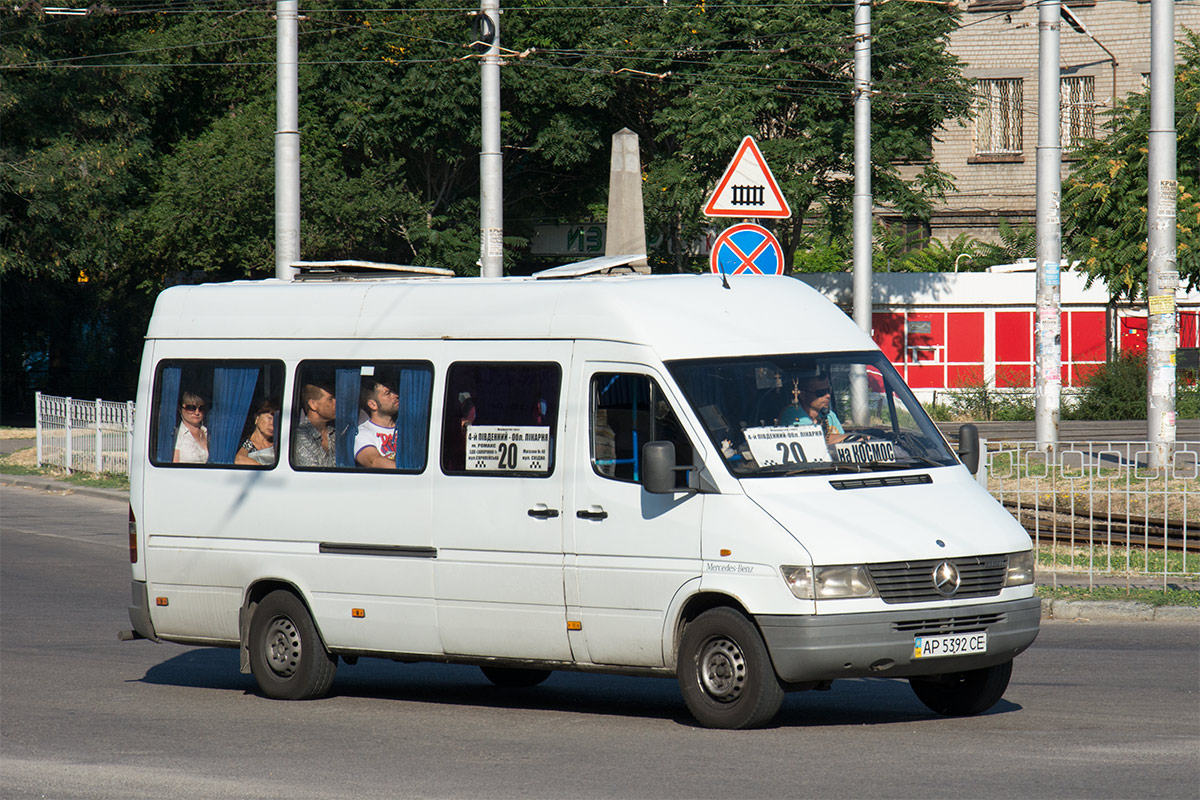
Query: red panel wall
column 1014, row 348
column 926, row 352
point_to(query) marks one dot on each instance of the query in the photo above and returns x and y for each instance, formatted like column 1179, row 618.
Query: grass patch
column 1117, row 561
column 1153, row 597
column 105, row 480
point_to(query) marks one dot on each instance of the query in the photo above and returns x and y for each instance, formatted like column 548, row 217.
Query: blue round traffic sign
column 746, row 248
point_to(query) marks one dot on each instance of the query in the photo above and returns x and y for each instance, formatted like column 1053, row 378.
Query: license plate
column 954, row 644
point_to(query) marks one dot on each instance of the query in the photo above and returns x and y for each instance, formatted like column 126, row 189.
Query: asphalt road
column 1094, row 710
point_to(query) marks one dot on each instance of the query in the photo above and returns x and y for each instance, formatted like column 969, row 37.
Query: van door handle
column 541, row 512
column 597, row 514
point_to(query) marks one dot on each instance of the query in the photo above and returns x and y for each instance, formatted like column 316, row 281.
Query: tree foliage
column 1105, row 198
column 137, row 149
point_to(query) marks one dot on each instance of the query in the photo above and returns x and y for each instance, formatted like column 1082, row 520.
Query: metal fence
column 84, row 435
column 1097, row 513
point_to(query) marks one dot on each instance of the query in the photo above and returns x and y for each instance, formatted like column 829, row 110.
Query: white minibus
column 722, row 480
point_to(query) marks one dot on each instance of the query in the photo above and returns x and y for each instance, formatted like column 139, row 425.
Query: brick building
column 993, row 155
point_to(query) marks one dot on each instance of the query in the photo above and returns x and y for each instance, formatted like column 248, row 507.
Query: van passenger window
column 216, row 413
column 500, row 419
column 628, row 411
column 362, row 415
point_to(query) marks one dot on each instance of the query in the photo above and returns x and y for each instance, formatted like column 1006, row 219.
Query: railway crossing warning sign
column 748, row 189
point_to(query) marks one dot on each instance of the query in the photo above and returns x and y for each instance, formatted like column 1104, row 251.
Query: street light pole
column 287, row 139
column 491, row 163
column 863, row 222
column 1163, row 277
column 1048, row 397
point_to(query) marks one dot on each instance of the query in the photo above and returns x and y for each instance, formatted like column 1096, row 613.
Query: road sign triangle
column 748, row 189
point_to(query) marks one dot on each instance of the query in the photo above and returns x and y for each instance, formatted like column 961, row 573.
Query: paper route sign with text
column 748, row 189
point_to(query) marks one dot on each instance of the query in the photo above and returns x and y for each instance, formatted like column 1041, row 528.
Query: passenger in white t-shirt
column 375, row 444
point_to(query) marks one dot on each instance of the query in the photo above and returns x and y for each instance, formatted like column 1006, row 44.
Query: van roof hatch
column 350, row 270
column 603, row 265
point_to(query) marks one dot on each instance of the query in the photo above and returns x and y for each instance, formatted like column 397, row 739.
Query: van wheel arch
column 254, row 595
column 696, row 605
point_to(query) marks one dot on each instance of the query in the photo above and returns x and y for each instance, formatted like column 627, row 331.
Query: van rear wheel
column 725, row 672
column 963, row 694
column 287, row 657
column 514, row 677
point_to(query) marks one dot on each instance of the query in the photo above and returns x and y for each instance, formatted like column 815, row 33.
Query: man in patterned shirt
column 315, row 435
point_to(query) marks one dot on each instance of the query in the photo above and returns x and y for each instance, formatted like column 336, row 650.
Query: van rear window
column 216, row 413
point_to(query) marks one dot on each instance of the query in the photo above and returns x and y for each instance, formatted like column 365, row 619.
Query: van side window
column 627, row 411
column 500, row 419
column 205, row 412
column 342, row 408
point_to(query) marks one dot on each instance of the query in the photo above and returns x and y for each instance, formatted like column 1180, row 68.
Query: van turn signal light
column 358, row 613
column 725, row 552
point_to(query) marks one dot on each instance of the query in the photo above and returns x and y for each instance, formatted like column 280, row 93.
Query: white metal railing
column 84, row 435
column 1096, row 510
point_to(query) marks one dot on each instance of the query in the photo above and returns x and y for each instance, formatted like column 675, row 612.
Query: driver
column 811, row 399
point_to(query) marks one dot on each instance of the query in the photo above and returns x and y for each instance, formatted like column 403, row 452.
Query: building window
column 1078, row 102
column 998, row 116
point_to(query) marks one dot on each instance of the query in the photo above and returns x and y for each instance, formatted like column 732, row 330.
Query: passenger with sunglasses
column 811, row 405
column 191, row 443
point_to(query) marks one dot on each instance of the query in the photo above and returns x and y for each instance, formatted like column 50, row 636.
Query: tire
column 287, row 656
column 513, row 677
column 964, row 694
column 725, row 673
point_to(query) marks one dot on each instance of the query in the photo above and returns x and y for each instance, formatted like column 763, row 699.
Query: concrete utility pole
column 863, row 228
column 287, row 139
column 1048, row 400
column 491, row 162
column 626, row 234
column 1163, row 276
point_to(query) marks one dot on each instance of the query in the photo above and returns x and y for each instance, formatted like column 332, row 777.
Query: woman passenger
column 258, row 446
column 191, row 442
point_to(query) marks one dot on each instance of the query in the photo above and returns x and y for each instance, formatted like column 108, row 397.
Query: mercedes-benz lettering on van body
column 635, row 474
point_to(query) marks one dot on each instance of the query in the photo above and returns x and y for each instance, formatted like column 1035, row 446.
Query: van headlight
column 1020, row 569
column 828, row 583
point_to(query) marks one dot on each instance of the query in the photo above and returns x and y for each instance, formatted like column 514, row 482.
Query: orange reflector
column 161, row 601
column 725, row 552
column 574, row 625
column 358, row 613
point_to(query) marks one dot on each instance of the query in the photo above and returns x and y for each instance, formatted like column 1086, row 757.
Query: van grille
column 878, row 483
column 941, row 625
column 912, row 581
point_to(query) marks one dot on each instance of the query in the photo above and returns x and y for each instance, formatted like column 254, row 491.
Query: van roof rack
column 350, row 270
column 603, row 265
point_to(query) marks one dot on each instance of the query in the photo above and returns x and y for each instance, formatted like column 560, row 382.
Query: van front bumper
column 881, row 644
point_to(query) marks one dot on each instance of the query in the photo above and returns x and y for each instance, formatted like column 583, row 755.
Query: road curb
column 62, row 487
column 1115, row 611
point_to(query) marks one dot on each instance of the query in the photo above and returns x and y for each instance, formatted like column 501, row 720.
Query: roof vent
column 604, row 265
column 364, row 271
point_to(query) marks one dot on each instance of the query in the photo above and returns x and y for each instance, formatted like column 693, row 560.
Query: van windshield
column 813, row 412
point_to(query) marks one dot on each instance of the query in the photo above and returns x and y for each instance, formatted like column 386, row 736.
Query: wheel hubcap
column 722, row 669
column 283, row 647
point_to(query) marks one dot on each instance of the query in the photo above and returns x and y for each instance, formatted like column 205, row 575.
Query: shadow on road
column 866, row 701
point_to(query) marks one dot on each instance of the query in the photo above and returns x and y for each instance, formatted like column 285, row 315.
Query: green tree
column 1104, row 200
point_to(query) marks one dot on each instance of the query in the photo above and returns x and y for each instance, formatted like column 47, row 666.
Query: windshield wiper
column 811, row 468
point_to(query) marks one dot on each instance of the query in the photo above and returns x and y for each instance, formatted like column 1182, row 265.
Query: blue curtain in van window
column 233, row 391
column 168, row 414
column 346, row 422
column 412, row 421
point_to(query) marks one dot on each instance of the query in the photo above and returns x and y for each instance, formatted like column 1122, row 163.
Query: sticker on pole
column 748, row 189
column 746, row 248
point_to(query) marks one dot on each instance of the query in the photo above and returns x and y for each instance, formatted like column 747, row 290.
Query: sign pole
column 1048, row 326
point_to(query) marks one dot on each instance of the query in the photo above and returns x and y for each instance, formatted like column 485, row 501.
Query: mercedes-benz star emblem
column 946, row 579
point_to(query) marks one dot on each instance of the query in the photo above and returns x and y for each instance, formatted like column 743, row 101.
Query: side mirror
column 968, row 447
column 658, row 468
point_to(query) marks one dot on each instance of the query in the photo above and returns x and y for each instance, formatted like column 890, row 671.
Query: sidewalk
column 1052, row 609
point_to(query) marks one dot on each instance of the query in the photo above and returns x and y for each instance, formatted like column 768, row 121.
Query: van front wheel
column 287, row 657
column 725, row 673
column 963, row 694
